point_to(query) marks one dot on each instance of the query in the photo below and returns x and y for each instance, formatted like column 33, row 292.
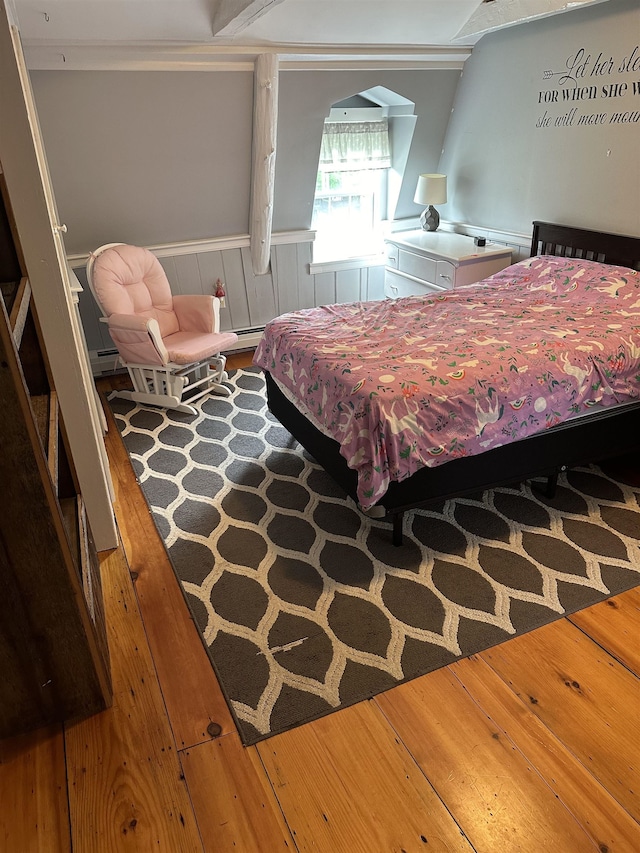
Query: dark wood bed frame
column 599, row 436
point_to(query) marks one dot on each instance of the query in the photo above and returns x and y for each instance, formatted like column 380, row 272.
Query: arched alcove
column 364, row 152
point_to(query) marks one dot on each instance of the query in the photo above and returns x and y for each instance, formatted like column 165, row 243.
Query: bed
column 521, row 422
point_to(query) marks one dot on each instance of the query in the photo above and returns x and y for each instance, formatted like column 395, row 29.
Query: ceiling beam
column 490, row 15
column 232, row 16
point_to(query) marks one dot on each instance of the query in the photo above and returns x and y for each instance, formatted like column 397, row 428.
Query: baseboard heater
column 104, row 361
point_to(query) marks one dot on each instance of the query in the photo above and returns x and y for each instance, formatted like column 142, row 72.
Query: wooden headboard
column 551, row 239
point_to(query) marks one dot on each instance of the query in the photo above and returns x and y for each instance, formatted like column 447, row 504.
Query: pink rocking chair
column 170, row 345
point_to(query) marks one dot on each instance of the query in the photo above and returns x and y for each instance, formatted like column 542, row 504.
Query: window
column 365, row 148
column 351, row 187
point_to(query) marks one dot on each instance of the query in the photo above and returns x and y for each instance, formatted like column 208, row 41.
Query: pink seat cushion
column 187, row 347
column 131, row 280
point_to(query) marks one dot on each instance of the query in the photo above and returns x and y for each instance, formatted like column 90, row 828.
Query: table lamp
column 431, row 189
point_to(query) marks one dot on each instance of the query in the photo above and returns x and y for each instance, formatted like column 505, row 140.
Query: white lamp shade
column 431, row 189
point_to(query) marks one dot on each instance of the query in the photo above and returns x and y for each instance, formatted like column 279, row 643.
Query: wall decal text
column 594, row 88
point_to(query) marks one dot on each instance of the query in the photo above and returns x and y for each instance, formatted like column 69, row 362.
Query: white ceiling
column 305, row 27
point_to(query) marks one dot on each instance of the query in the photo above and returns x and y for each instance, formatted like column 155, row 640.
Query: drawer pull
column 444, row 275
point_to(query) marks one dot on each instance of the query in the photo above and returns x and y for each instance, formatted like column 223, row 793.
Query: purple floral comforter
column 414, row 382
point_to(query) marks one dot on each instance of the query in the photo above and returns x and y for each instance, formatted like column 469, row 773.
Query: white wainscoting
column 251, row 301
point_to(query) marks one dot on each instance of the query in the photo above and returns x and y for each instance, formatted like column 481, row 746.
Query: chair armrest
column 197, row 313
column 138, row 339
column 130, row 322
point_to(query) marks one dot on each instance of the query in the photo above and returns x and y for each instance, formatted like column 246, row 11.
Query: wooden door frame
column 23, row 162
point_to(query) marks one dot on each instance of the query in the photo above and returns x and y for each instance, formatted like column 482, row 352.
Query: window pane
column 345, row 213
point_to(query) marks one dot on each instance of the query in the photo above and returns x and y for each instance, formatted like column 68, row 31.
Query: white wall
column 515, row 152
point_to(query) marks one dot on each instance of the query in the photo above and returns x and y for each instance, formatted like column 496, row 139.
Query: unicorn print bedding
column 415, row 382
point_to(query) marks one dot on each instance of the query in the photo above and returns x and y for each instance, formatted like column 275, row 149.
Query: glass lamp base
column 430, row 218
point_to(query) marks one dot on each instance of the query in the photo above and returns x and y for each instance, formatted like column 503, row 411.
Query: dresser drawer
column 419, row 266
column 393, row 254
column 398, row 284
column 445, row 274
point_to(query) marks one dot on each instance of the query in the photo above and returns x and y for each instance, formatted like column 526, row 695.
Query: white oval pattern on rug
column 306, row 606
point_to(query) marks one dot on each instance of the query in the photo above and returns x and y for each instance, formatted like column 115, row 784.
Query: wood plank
column 212, row 269
column 69, row 513
column 240, row 359
column 284, row 266
column 40, row 408
column 615, row 625
column 188, row 275
column 304, row 253
column 260, row 290
column 183, row 666
column 346, row 783
column 609, row 826
column 51, row 666
column 487, row 784
column 19, row 310
column 125, row 787
column 375, row 283
column 348, row 285
column 584, row 696
column 233, row 800
column 325, row 288
column 237, row 299
column 33, row 791
column 52, row 438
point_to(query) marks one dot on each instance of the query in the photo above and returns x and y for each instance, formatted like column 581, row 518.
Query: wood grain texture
column 609, row 826
column 491, row 789
column 183, row 666
column 126, row 791
column 33, row 793
column 615, row 625
column 233, row 801
column 583, row 696
column 347, row 783
column 51, row 664
column 350, row 782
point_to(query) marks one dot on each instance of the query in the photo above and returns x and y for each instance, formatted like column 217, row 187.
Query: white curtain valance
column 348, row 145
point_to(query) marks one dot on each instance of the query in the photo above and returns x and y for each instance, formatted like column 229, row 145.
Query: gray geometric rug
column 304, row 604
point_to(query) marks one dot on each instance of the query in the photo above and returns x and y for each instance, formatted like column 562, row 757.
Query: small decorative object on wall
column 431, row 189
column 220, row 292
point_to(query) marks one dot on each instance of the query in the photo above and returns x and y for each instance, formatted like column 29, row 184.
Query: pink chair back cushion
column 130, row 280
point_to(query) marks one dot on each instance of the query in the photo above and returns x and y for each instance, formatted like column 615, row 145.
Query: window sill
column 340, row 264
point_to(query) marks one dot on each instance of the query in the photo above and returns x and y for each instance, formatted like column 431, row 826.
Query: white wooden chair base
column 171, row 386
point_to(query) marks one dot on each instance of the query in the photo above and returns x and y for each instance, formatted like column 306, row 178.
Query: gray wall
column 515, row 152
column 165, row 156
column 305, row 100
column 154, row 157
column 147, row 157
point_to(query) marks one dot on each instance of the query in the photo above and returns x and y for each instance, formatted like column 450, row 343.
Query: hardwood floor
column 529, row 746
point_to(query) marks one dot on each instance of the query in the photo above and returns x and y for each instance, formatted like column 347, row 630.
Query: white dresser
column 421, row 261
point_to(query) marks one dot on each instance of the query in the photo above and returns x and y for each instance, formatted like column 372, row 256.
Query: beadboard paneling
column 251, row 301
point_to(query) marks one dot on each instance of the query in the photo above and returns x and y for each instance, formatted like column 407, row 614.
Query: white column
column 265, row 125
